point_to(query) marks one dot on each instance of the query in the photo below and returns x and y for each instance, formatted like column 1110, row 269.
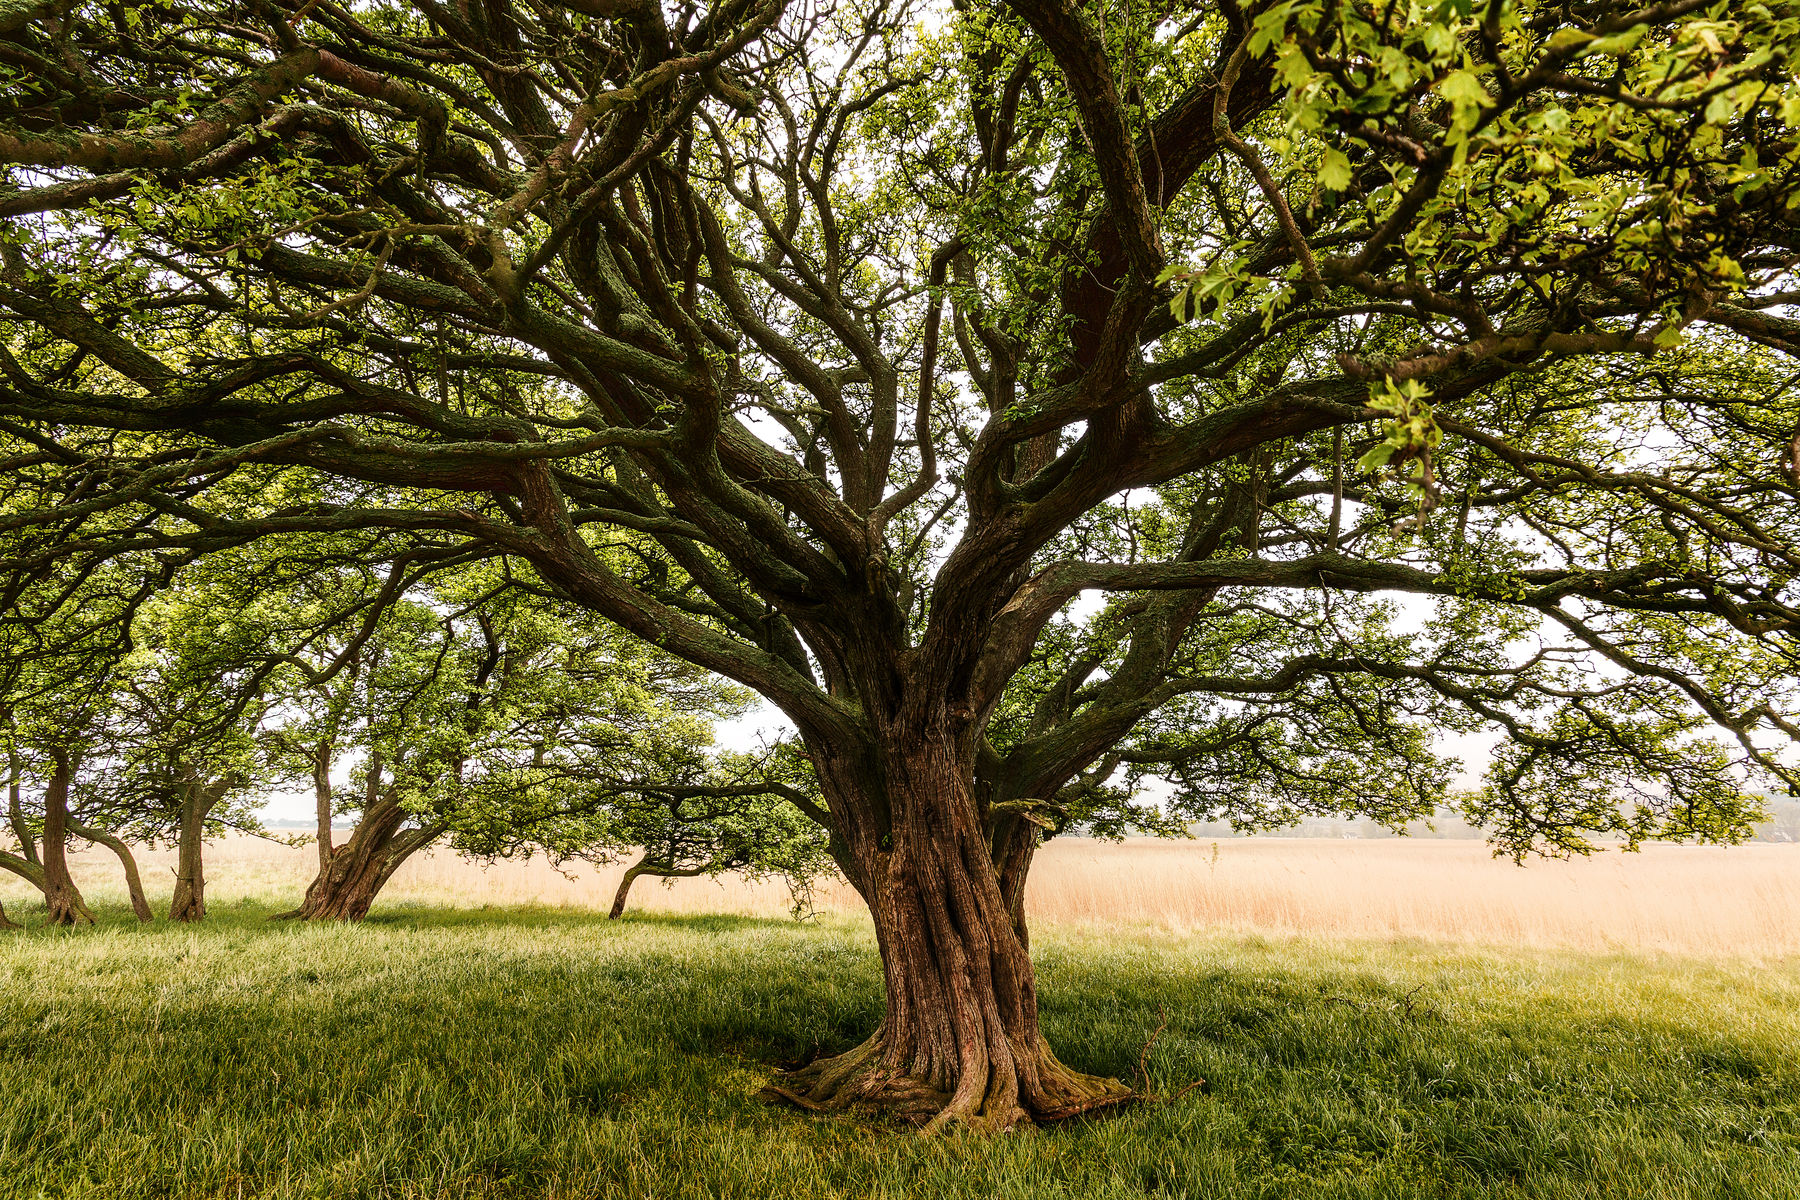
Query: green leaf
column 1377, row 457
column 1562, row 39
column 1334, row 171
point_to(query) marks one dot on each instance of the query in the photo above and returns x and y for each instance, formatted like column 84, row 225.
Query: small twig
column 1143, row 1072
column 1408, row 1003
column 305, row 11
column 1144, row 1094
column 1407, row 1006
column 363, row 293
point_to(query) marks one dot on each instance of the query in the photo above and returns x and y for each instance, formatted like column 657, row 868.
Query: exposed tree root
column 860, row 1080
column 64, row 906
column 1000, row 1097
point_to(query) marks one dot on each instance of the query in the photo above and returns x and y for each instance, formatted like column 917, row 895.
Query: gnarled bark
column 134, row 884
column 61, row 897
column 959, row 1042
column 356, row 871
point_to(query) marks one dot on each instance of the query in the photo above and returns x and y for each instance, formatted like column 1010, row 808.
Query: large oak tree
column 840, row 348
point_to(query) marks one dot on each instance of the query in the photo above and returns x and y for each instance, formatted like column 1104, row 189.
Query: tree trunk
column 644, row 866
column 197, row 802
column 7, row 922
column 354, row 875
column 15, row 807
column 134, row 885
column 322, row 802
column 618, row 904
column 959, row 1042
column 61, row 897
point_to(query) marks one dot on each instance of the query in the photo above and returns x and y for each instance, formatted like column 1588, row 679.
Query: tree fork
column 354, row 874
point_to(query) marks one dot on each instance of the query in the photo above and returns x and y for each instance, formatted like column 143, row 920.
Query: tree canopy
column 1030, row 399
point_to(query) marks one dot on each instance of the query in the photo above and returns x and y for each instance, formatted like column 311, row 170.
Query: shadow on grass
column 507, row 1051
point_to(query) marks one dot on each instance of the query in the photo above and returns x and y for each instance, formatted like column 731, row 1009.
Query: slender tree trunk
column 15, row 806
column 322, row 802
column 197, row 802
column 61, row 896
column 644, row 866
column 959, row 1042
column 349, row 881
column 631, row 874
column 134, row 884
column 7, row 922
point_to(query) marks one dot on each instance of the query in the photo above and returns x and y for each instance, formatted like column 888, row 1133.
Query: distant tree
column 62, row 645
column 672, row 804
column 474, row 704
column 839, row 348
column 1783, row 824
column 733, row 817
column 187, row 753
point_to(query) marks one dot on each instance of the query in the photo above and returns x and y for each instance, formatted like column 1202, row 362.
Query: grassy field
column 437, row 1053
column 487, row 1035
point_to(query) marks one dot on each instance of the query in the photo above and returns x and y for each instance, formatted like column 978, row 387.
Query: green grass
column 438, row 1053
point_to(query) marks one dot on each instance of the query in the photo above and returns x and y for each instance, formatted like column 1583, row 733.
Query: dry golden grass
column 1738, row 901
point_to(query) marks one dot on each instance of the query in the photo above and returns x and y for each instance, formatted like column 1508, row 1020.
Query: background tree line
column 464, row 708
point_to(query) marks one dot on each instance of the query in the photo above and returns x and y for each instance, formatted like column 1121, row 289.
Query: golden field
column 1741, row 901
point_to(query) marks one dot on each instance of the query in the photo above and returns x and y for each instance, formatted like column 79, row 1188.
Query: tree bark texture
column 322, row 801
column 134, row 884
column 959, row 1042
column 61, row 897
column 356, row 871
column 31, row 872
column 197, row 802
